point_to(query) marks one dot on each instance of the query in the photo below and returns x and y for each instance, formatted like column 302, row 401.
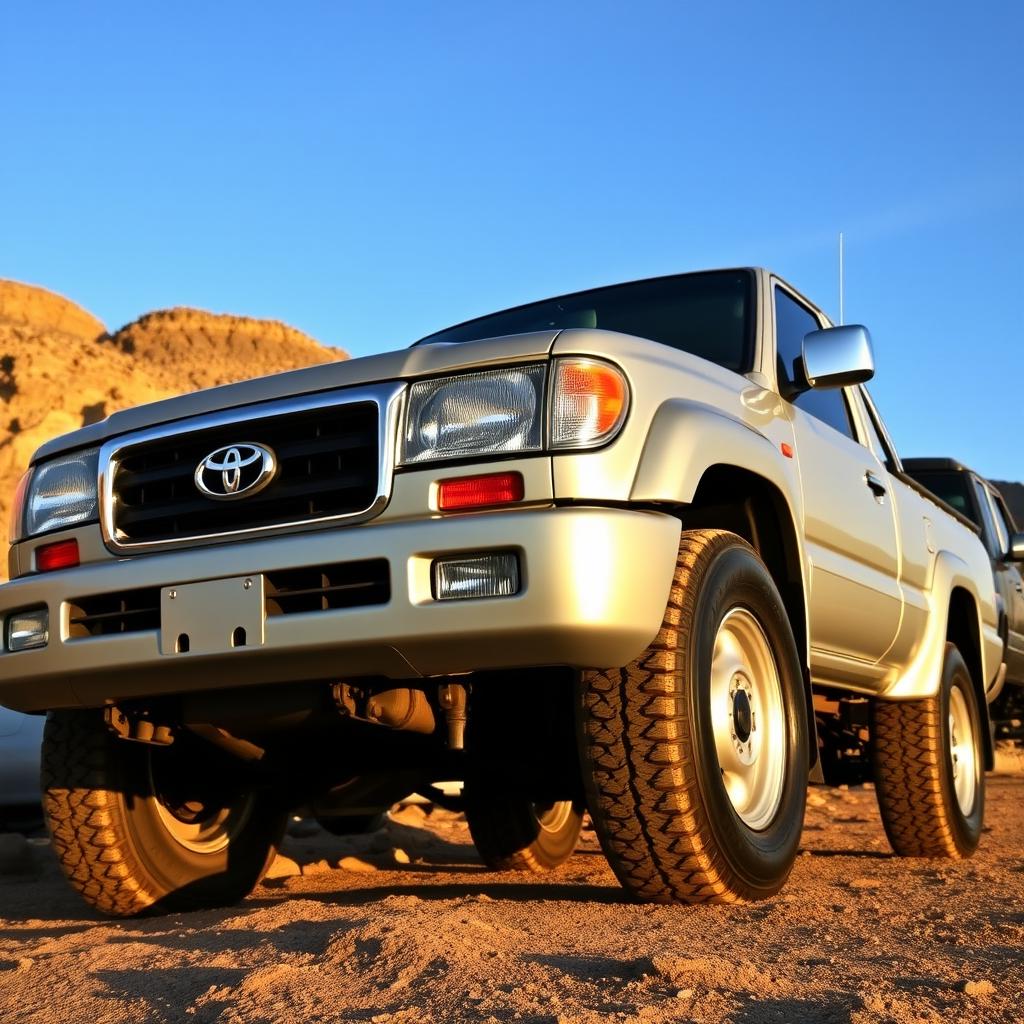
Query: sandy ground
column 407, row 926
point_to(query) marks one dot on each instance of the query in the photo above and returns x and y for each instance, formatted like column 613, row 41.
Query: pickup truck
column 981, row 501
column 613, row 551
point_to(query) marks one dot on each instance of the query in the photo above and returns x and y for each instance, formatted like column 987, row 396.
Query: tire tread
column 907, row 739
column 639, row 758
column 88, row 838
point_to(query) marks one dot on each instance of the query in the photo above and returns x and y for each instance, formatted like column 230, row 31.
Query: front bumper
column 595, row 583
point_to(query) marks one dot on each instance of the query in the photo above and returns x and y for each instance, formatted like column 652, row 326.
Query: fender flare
column 671, row 465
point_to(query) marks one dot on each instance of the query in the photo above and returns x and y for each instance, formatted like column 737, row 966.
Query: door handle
column 876, row 485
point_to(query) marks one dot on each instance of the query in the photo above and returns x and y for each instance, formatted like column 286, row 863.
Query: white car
column 21, row 738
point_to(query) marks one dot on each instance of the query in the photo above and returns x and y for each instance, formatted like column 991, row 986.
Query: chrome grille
column 333, row 458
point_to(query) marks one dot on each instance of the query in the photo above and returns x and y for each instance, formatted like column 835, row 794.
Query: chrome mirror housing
column 838, row 357
column 1016, row 551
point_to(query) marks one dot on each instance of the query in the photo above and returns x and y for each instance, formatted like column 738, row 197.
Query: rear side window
column 792, row 322
column 950, row 487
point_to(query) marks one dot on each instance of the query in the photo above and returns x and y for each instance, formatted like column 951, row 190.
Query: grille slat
column 130, row 514
column 338, row 444
column 346, row 585
column 131, row 611
column 127, row 479
column 328, row 465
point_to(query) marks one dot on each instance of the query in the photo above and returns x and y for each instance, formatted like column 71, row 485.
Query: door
column 1012, row 587
column 849, row 525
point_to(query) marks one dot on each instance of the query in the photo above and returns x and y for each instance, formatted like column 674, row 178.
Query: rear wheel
column 929, row 773
column 695, row 756
column 513, row 833
column 139, row 828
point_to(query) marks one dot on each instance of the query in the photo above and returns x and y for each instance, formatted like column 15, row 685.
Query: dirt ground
column 406, row 926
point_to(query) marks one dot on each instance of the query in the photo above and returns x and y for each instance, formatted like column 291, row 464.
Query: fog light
column 26, row 630
column 495, row 575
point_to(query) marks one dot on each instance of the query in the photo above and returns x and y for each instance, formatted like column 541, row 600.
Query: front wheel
column 929, row 761
column 140, row 828
column 695, row 756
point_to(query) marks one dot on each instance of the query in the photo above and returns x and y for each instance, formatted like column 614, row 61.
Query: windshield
column 708, row 315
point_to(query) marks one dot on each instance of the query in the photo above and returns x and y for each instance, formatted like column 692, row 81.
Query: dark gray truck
column 983, row 503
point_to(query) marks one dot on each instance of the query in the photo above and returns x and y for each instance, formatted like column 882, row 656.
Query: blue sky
column 372, row 172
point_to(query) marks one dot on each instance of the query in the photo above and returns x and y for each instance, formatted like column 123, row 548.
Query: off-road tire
column 510, row 834
column 914, row 778
column 108, row 836
column 653, row 781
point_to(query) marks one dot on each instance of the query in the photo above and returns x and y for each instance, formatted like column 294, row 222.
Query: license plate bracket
column 212, row 617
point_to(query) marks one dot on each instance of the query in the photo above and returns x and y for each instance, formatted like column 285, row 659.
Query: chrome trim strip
column 389, row 399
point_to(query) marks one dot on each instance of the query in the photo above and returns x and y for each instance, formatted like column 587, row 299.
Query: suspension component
column 402, row 708
column 453, row 699
column 137, row 725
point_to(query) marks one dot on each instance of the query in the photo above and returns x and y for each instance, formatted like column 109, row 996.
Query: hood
column 405, row 364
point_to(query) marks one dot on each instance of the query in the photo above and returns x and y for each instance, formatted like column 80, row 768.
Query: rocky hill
column 60, row 368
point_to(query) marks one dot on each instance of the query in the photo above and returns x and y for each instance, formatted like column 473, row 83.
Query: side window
column 988, row 525
column 1011, row 523
column 792, row 322
column 877, row 442
column 1002, row 529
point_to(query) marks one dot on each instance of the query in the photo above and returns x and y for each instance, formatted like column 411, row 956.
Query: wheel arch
column 737, row 499
column 963, row 628
column 696, row 456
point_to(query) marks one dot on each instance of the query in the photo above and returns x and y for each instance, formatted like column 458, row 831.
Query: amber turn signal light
column 62, row 554
column 479, row 491
column 588, row 402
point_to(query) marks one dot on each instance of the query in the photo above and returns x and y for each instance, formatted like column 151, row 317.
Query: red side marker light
column 62, row 554
column 787, row 450
column 479, row 491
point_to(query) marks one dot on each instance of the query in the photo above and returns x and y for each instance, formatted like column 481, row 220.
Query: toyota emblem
column 235, row 471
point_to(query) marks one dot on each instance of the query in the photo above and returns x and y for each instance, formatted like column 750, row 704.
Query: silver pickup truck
column 629, row 550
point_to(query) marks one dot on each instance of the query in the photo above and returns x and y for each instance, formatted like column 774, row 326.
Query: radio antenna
column 841, row 281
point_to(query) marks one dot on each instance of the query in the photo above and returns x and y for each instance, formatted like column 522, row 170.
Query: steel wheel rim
column 962, row 751
column 195, row 828
column 553, row 817
column 748, row 719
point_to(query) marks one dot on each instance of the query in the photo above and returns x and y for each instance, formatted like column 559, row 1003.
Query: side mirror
column 1016, row 552
column 838, row 357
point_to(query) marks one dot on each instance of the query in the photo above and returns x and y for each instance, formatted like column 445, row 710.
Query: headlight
column 59, row 493
column 16, row 523
column 489, row 413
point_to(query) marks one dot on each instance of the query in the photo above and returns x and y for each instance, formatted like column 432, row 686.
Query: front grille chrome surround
column 388, row 399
